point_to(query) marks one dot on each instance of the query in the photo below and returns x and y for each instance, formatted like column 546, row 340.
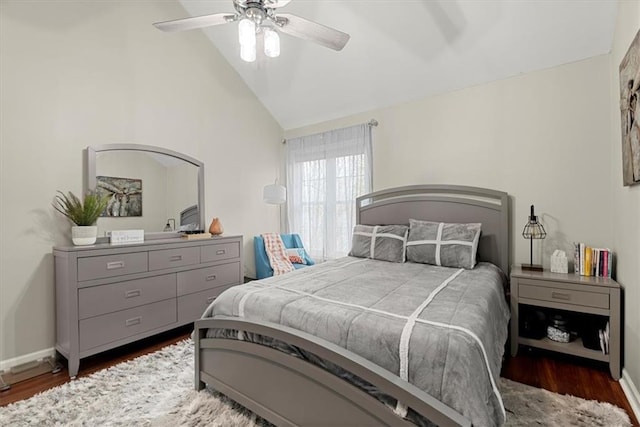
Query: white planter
column 84, row 235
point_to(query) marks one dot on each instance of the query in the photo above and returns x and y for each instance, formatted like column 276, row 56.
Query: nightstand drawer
column 565, row 296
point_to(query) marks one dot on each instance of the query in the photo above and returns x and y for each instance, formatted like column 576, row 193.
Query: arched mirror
column 149, row 188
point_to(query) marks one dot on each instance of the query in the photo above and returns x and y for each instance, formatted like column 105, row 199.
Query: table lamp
column 533, row 230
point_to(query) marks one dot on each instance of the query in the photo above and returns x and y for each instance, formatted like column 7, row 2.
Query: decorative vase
column 215, row 228
column 84, row 234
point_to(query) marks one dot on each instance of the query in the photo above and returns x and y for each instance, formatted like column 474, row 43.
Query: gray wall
column 79, row 73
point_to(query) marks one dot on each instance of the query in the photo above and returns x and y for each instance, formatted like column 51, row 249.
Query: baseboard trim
column 5, row 365
column 631, row 391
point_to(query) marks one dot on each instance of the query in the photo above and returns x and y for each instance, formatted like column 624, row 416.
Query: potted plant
column 83, row 213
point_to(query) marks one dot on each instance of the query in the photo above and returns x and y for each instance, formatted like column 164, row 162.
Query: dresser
column 582, row 296
column 111, row 295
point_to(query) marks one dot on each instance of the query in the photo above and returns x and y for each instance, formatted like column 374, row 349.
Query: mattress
column 441, row 329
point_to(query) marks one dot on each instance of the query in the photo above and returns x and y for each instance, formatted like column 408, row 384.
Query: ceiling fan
column 259, row 16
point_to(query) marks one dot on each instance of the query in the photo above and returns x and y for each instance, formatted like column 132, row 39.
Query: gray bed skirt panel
column 288, row 390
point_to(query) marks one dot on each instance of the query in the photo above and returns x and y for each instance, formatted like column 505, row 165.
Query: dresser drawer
column 220, row 251
column 564, row 296
column 103, row 299
column 111, row 327
column 207, row 278
column 192, row 306
column 99, row 267
column 169, row 258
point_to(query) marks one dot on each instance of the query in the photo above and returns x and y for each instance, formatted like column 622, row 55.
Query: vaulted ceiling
column 405, row 50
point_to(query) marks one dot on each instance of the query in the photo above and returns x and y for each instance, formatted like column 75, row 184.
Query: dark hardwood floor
column 551, row 371
column 566, row 374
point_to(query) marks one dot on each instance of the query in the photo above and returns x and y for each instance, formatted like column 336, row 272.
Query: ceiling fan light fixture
column 271, row 43
column 255, row 16
column 248, row 53
column 247, row 32
column 247, row 38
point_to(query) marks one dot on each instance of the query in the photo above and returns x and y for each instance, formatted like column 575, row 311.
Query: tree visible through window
column 325, row 174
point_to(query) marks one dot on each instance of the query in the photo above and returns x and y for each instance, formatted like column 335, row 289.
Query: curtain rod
column 372, row 122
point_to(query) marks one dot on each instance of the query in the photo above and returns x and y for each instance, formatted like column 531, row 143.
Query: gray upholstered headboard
column 445, row 203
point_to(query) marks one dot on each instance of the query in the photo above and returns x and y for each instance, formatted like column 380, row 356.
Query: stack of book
column 592, row 261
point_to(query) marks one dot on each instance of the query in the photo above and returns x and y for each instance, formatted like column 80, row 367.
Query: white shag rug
column 157, row 390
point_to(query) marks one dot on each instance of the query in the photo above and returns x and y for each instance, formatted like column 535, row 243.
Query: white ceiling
column 404, row 50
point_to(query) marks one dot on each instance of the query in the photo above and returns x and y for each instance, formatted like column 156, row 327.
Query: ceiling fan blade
column 195, row 22
column 309, row 30
column 276, row 3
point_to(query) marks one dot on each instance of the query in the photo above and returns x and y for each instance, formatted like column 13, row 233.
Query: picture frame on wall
column 125, row 196
column 630, row 112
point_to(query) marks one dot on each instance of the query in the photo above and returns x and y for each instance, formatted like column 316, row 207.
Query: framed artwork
column 630, row 109
column 125, row 196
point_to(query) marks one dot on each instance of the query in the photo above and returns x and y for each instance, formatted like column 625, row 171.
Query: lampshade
column 271, row 43
column 274, row 194
column 533, row 230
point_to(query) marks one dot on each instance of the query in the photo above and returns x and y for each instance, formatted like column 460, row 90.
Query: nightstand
column 573, row 293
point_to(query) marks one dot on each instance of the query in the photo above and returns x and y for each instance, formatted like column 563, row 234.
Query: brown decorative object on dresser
column 216, row 227
column 107, row 296
column 586, row 298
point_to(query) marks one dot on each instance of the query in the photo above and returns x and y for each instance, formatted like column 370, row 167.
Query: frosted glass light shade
column 248, row 53
column 274, row 194
column 247, row 37
column 247, row 32
column 271, row 43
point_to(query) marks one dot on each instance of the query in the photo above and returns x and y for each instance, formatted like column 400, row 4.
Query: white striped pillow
column 382, row 242
column 439, row 243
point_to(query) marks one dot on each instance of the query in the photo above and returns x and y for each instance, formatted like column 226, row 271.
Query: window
column 325, row 174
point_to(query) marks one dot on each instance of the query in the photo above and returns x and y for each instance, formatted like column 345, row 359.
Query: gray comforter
column 442, row 329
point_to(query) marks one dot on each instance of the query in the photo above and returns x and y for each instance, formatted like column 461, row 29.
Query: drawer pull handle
column 221, row 252
column 176, row 258
column 115, row 265
column 211, row 277
column 133, row 293
column 210, row 300
column 134, row 321
column 558, row 295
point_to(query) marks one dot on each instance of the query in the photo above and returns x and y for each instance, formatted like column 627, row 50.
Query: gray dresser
column 110, row 295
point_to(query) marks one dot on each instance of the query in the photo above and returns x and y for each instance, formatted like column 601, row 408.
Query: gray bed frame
column 289, row 391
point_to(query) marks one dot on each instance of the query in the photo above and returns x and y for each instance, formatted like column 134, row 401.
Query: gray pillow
column 439, row 243
column 382, row 242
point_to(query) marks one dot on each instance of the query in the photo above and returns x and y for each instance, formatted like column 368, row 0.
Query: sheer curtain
column 325, row 174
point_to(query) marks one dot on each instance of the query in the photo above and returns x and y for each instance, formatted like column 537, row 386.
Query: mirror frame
column 91, row 181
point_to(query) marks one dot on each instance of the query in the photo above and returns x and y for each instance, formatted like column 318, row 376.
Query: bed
column 348, row 342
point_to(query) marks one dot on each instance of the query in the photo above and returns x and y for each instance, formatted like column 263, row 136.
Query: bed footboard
column 289, row 391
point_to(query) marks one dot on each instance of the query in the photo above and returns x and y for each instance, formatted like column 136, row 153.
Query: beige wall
column 542, row 137
column 551, row 138
column 626, row 200
column 79, row 73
